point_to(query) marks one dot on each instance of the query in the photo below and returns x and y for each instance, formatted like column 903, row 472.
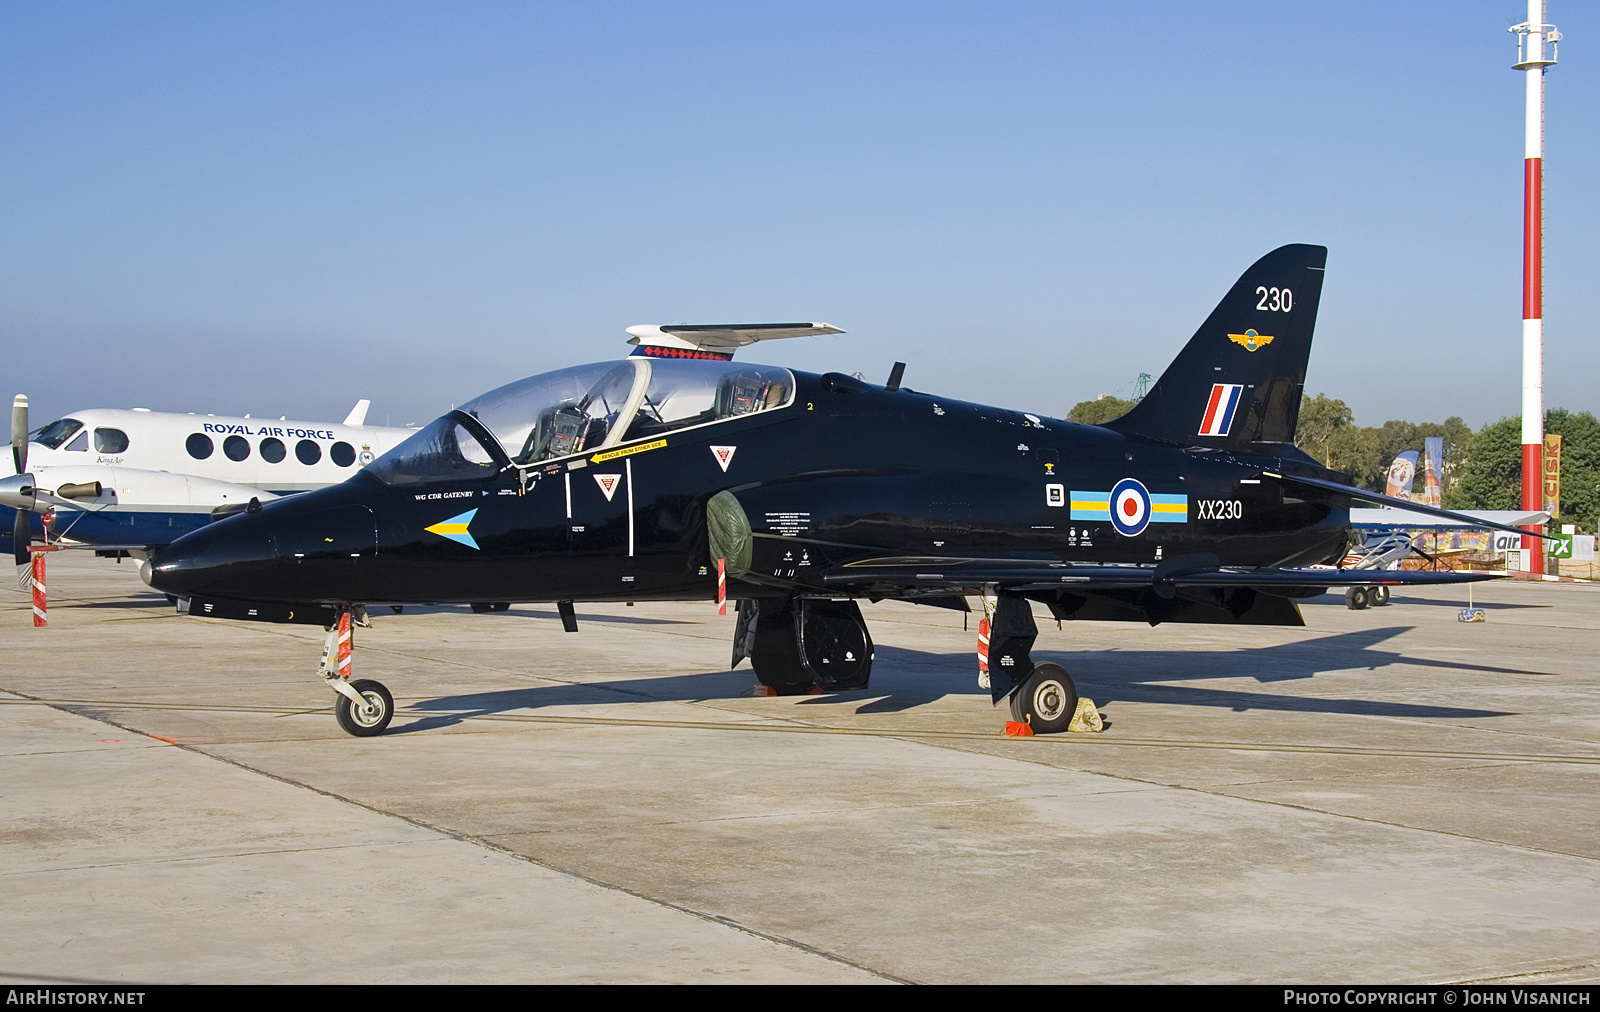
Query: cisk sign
column 1550, row 484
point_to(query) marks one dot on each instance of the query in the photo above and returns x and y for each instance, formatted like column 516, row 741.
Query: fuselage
column 839, row 471
column 163, row 473
column 275, row 455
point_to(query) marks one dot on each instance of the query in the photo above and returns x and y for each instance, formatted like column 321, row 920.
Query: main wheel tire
column 1378, row 596
column 1046, row 700
column 364, row 722
column 775, row 652
column 1355, row 598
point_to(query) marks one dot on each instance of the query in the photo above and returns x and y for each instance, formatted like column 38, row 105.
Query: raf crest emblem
column 1250, row 340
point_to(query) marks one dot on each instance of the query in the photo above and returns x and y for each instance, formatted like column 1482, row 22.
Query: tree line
column 1482, row 469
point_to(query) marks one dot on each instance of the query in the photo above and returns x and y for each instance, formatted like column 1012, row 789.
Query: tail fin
column 1239, row 379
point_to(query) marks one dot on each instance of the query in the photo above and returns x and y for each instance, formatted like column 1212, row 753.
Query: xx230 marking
column 1219, row 509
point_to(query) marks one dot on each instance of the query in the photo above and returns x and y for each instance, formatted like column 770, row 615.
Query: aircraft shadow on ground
column 904, row 678
column 147, row 602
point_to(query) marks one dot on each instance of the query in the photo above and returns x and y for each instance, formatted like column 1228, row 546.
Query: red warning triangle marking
column 608, row 484
column 724, row 455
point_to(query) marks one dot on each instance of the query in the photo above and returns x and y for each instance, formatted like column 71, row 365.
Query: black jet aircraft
column 658, row 477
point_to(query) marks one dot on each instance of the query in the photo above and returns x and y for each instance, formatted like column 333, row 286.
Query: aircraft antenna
column 1536, row 50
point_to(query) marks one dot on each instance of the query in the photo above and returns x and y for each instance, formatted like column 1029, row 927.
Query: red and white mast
column 1536, row 50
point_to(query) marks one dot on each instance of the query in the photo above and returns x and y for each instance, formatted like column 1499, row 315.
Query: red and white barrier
column 36, row 582
column 722, row 586
column 39, row 619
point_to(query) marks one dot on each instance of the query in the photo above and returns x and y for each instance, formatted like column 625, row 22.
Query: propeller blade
column 21, row 537
column 19, row 432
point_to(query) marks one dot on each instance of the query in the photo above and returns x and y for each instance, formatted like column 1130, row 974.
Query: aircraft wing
column 945, row 575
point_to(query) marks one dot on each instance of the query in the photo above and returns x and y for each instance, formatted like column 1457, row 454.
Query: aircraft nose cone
column 308, row 549
column 218, row 559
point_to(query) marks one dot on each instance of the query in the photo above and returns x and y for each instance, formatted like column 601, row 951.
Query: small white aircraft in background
column 121, row 482
column 1390, row 535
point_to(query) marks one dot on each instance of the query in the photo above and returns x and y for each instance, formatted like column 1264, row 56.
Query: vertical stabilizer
column 1239, row 379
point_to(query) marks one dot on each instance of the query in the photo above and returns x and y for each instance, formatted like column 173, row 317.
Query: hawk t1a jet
column 654, row 477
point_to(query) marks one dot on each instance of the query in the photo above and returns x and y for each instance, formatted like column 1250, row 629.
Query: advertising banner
column 1552, row 475
column 1432, row 493
column 1401, row 472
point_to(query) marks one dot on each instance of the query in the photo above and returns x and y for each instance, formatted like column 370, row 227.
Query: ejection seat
column 742, row 393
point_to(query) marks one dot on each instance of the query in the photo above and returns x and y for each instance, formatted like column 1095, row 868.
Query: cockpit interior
column 581, row 410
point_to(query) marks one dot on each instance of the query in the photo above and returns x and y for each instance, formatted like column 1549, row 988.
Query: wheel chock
column 1018, row 729
column 1087, row 718
column 759, row 690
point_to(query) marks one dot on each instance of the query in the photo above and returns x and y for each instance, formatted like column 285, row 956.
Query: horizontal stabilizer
column 1388, row 519
column 1379, row 499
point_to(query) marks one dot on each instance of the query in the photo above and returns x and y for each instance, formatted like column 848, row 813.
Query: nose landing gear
column 364, row 707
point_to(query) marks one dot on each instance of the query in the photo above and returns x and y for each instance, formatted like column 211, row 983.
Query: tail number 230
column 1275, row 300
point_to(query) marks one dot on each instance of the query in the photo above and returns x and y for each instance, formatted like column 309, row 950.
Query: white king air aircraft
column 128, row 481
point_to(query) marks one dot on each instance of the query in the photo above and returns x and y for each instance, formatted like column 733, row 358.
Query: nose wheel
column 363, row 707
column 371, row 715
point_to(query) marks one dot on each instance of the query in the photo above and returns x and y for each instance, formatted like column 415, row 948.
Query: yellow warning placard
column 626, row 451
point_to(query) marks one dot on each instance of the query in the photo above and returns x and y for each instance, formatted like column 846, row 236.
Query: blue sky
column 278, row 208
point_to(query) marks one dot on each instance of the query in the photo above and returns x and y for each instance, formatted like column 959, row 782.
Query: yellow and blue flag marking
column 456, row 529
column 1091, row 505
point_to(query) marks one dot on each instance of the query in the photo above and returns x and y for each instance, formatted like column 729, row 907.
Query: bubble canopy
column 581, row 410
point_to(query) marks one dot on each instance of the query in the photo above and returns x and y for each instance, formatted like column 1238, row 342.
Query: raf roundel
column 1130, row 507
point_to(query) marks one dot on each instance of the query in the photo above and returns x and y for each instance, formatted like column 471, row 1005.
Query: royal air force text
column 267, row 430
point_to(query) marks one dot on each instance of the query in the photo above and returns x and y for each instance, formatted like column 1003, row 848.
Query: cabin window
column 110, row 440
column 307, row 452
column 199, row 446
column 236, row 447
column 342, row 453
column 272, row 450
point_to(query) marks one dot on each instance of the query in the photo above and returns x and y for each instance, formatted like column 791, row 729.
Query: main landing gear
column 1357, row 598
column 797, row 644
column 364, row 707
column 1046, row 699
column 1043, row 696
